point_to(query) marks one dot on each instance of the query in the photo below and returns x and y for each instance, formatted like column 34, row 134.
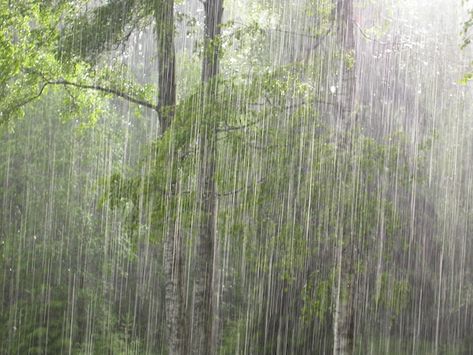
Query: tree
column 343, row 327
column 43, row 66
column 276, row 209
column 203, row 338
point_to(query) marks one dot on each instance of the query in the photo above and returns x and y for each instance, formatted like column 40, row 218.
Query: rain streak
column 212, row 177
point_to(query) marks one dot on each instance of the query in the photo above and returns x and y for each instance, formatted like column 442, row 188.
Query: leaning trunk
column 203, row 339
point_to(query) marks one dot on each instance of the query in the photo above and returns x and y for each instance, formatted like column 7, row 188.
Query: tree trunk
column 164, row 16
column 343, row 324
column 173, row 262
column 203, row 340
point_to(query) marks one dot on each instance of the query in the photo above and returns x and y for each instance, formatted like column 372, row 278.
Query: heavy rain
column 236, row 177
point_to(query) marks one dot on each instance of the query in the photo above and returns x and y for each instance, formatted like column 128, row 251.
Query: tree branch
column 234, row 192
column 25, row 101
column 115, row 92
column 227, row 128
column 106, row 90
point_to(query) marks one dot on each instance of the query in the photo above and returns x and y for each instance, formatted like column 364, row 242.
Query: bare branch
column 26, row 101
column 65, row 83
column 106, row 90
column 235, row 128
column 234, row 192
column 363, row 33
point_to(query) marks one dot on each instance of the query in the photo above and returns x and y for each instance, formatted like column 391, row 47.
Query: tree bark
column 343, row 324
column 173, row 261
column 164, row 16
column 203, row 339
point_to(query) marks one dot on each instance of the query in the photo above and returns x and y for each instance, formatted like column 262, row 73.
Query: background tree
column 250, row 173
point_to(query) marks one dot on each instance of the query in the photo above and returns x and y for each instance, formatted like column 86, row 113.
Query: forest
column 212, row 177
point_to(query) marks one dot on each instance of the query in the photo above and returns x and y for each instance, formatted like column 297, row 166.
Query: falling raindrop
column 238, row 177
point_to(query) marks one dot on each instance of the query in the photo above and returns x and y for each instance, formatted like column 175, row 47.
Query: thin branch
column 236, row 128
column 283, row 30
column 26, row 101
column 106, row 90
column 234, row 192
column 363, row 33
column 83, row 86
